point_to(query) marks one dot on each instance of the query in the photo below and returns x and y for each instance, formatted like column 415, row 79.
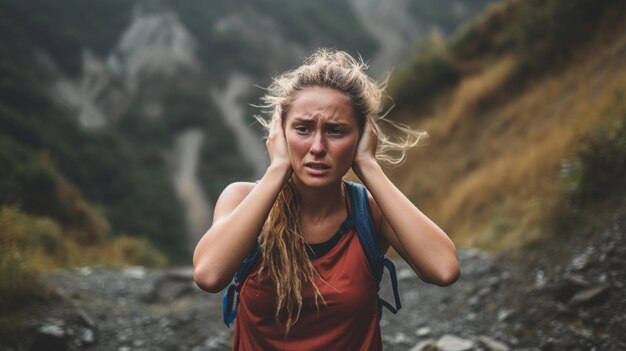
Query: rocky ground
column 564, row 297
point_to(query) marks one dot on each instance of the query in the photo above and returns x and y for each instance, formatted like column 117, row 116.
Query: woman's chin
column 316, row 181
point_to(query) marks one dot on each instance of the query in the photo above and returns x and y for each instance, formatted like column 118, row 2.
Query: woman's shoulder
column 238, row 189
column 231, row 197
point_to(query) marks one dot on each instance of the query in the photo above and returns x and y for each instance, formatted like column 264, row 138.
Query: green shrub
column 19, row 286
column 135, row 251
column 596, row 174
column 36, row 241
column 27, row 245
column 547, row 32
column 429, row 72
column 32, row 182
column 30, row 245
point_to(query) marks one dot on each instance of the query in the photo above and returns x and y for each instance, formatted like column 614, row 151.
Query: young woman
column 312, row 287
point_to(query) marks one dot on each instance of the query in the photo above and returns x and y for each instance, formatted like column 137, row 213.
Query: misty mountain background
column 142, row 108
column 122, row 121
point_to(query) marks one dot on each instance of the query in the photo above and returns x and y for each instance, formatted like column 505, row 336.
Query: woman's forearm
column 428, row 248
column 237, row 223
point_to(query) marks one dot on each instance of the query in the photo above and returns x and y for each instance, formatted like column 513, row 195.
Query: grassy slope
column 490, row 174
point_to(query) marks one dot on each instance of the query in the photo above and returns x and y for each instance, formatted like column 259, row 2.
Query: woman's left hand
column 366, row 150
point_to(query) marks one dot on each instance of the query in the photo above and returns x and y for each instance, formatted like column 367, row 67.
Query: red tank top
column 348, row 321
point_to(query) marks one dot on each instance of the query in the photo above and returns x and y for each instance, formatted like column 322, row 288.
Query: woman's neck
column 316, row 204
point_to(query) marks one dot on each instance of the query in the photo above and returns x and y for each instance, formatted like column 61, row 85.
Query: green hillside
column 525, row 109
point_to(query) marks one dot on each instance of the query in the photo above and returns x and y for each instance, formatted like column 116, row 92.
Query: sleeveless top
column 349, row 319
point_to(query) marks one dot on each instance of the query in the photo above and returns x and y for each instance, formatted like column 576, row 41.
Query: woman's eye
column 301, row 129
column 335, row 132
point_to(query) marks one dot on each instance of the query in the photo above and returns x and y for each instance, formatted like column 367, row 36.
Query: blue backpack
column 361, row 218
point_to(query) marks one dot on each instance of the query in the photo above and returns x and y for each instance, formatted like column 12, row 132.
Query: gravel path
column 561, row 298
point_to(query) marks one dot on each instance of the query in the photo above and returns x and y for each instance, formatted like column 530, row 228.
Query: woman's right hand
column 277, row 147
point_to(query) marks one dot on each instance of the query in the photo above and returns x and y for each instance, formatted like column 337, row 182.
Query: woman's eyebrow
column 336, row 124
column 308, row 120
column 304, row 120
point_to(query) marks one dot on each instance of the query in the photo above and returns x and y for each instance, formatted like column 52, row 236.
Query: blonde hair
column 283, row 249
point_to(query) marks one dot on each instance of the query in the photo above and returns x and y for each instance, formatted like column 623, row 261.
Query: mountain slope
column 508, row 106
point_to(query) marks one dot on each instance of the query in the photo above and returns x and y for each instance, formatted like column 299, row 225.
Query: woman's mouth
column 317, row 168
column 316, row 165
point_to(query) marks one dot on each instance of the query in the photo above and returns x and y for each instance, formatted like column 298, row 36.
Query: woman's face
column 322, row 135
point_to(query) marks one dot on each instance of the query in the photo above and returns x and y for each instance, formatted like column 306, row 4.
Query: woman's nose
column 318, row 146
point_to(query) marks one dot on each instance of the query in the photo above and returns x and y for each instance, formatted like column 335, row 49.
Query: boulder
column 491, row 344
column 451, row 342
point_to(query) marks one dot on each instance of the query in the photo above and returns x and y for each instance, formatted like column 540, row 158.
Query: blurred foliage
column 43, row 245
column 542, row 34
column 217, row 178
column 134, row 193
column 546, row 33
column 122, row 170
column 44, row 149
column 62, row 28
column 123, row 250
column 32, row 244
column 21, row 236
column 38, row 242
column 446, row 14
column 596, row 175
column 190, row 109
column 301, row 22
column 307, row 23
column 506, row 99
column 429, row 72
column 184, row 110
column 36, row 186
column 115, row 180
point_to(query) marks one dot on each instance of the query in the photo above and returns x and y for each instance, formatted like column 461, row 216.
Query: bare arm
column 240, row 213
column 425, row 247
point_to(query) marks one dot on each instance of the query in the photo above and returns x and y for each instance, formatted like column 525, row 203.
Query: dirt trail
column 184, row 161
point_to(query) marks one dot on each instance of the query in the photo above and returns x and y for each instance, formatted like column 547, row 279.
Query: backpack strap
column 231, row 297
column 368, row 237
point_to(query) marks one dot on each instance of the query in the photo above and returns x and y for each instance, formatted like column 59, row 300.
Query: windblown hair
column 283, row 249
